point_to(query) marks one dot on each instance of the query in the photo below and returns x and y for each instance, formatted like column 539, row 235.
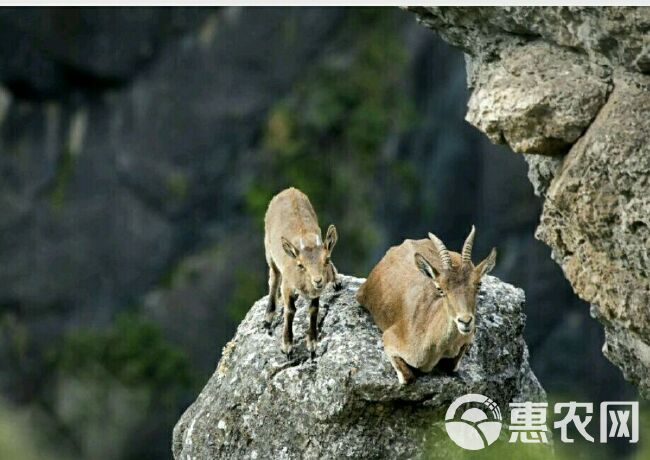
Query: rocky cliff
column 347, row 403
column 132, row 142
column 569, row 87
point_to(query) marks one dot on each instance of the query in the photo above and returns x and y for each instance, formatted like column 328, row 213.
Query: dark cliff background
column 138, row 150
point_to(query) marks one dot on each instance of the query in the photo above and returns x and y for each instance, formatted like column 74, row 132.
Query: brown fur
column 420, row 326
column 298, row 257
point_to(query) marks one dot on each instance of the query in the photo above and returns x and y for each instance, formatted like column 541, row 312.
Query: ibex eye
column 301, row 266
column 441, row 293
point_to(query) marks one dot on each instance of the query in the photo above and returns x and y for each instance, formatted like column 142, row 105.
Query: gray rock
column 347, row 402
column 616, row 36
column 570, row 79
column 531, row 94
column 537, row 98
column 596, row 218
column 85, row 49
column 541, row 171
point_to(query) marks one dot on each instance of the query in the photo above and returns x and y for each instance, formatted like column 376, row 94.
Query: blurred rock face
column 130, row 140
column 580, row 79
column 347, row 403
column 49, row 52
column 110, row 187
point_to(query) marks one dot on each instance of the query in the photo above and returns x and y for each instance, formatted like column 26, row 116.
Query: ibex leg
column 289, row 312
column 312, row 332
column 274, row 278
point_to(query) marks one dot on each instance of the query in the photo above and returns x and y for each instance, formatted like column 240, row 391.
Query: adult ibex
column 299, row 261
column 423, row 298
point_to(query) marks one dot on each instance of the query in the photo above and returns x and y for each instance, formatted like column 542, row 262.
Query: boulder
column 347, row 402
column 537, row 98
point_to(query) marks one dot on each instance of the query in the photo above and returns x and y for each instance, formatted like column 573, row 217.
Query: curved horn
column 442, row 251
column 467, row 246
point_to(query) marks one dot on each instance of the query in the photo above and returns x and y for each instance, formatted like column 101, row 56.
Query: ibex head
column 458, row 282
column 312, row 259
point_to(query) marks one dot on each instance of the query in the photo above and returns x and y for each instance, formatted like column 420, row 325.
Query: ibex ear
column 424, row 266
column 331, row 238
column 487, row 264
column 289, row 248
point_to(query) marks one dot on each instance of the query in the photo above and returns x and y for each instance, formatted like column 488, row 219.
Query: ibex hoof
column 312, row 355
column 287, row 349
column 405, row 379
column 311, row 344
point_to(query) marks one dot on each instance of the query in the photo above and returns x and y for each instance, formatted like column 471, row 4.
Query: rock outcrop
column 571, row 84
column 347, row 402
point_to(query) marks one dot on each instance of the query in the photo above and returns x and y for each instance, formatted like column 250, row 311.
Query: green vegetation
column 133, row 351
column 93, row 388
column 500, row 450
column 18, row 440
column 64, row 172
column 178, row 185
column 246, row 289
column 330, row 130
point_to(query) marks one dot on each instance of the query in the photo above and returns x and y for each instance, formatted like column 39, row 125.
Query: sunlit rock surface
column 347, row 402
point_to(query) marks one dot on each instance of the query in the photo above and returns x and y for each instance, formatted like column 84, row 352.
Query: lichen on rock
column 347, row 402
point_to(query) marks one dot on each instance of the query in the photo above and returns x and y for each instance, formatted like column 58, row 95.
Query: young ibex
column 423, row 298
column 299, row 261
